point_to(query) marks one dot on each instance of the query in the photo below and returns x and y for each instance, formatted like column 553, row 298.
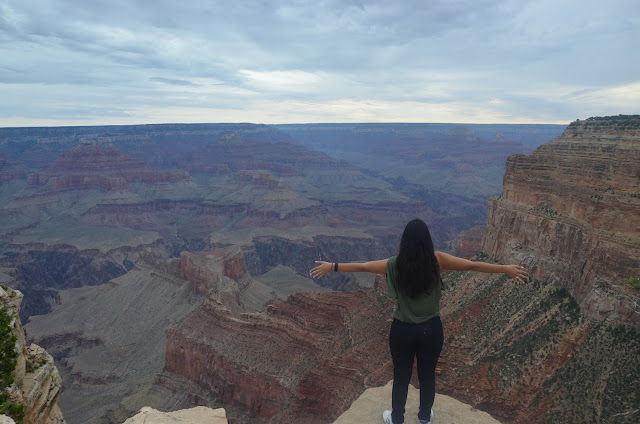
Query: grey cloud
column 405, row 51
column 172, row 81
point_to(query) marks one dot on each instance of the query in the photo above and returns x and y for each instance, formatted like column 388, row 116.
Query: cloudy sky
column 90, row 62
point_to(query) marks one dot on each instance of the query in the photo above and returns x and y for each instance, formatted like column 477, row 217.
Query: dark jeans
column 407, row 341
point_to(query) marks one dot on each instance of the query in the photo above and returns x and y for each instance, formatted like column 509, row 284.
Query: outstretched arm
column 453, row 263
column 376, row 267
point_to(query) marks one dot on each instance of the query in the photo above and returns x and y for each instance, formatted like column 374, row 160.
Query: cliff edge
column 36, row 382
column 369, row 406
column 562, row 347
column 569, row 212
column 199, row 414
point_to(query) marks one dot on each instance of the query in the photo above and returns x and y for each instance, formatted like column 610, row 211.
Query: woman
column 413, row 278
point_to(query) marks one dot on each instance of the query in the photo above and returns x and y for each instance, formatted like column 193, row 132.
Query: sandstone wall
column 569, row 212
column 37, row 383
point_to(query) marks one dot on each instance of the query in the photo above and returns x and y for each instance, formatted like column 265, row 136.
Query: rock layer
column 222, row 274
column 316, row 353
column 570, row 212
column 10, row 170
column 90, row 165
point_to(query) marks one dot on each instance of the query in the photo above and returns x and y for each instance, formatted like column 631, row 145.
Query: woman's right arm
column 453, row 263
column 375, row 267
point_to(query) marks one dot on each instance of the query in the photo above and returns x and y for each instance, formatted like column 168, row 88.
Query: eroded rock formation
column 37, row 383
column 469, row 243
column 222, row 273
column 90, row 165
column 305, row 359
column 11, row 170
column 528, row 353
column 570, row 212
column 40, row 271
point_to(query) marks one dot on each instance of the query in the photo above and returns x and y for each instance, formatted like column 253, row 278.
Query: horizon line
column 283, row 124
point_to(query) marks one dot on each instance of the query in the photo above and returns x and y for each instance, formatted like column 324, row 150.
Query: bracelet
column 335, row 267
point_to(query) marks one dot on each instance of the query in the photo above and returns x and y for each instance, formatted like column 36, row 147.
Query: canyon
column 79, row 205
column 524, row 353
column 191, row 287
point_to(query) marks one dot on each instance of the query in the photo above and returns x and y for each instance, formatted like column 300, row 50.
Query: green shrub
column 11, row 409
column 8, row 352
column 635, row 283
column 8, row 358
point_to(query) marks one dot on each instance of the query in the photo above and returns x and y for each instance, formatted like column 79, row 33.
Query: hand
column 518, row 273
column 320, row 270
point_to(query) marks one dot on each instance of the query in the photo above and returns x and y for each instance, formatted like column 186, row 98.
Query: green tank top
column 412, row 311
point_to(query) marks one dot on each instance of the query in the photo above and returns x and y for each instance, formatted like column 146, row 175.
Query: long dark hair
column 418, row 271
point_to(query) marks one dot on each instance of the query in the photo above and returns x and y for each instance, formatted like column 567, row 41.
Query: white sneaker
column 386, row 417
column 430, row 419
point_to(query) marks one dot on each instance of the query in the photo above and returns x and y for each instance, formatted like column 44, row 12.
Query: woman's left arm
column 453, row 263
column 375, row 267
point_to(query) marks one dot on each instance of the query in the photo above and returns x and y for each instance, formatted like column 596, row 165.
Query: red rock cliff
column 305, row 359
column 569, row 211
column 564, row 347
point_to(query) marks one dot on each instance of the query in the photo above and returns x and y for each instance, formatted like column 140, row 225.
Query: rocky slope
column 469, row 242
column 523, row 353
column 528, row 353
column 570, row 212
column 37, row 383
column 316, row 353
column 222, row 273
column 108, row 340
